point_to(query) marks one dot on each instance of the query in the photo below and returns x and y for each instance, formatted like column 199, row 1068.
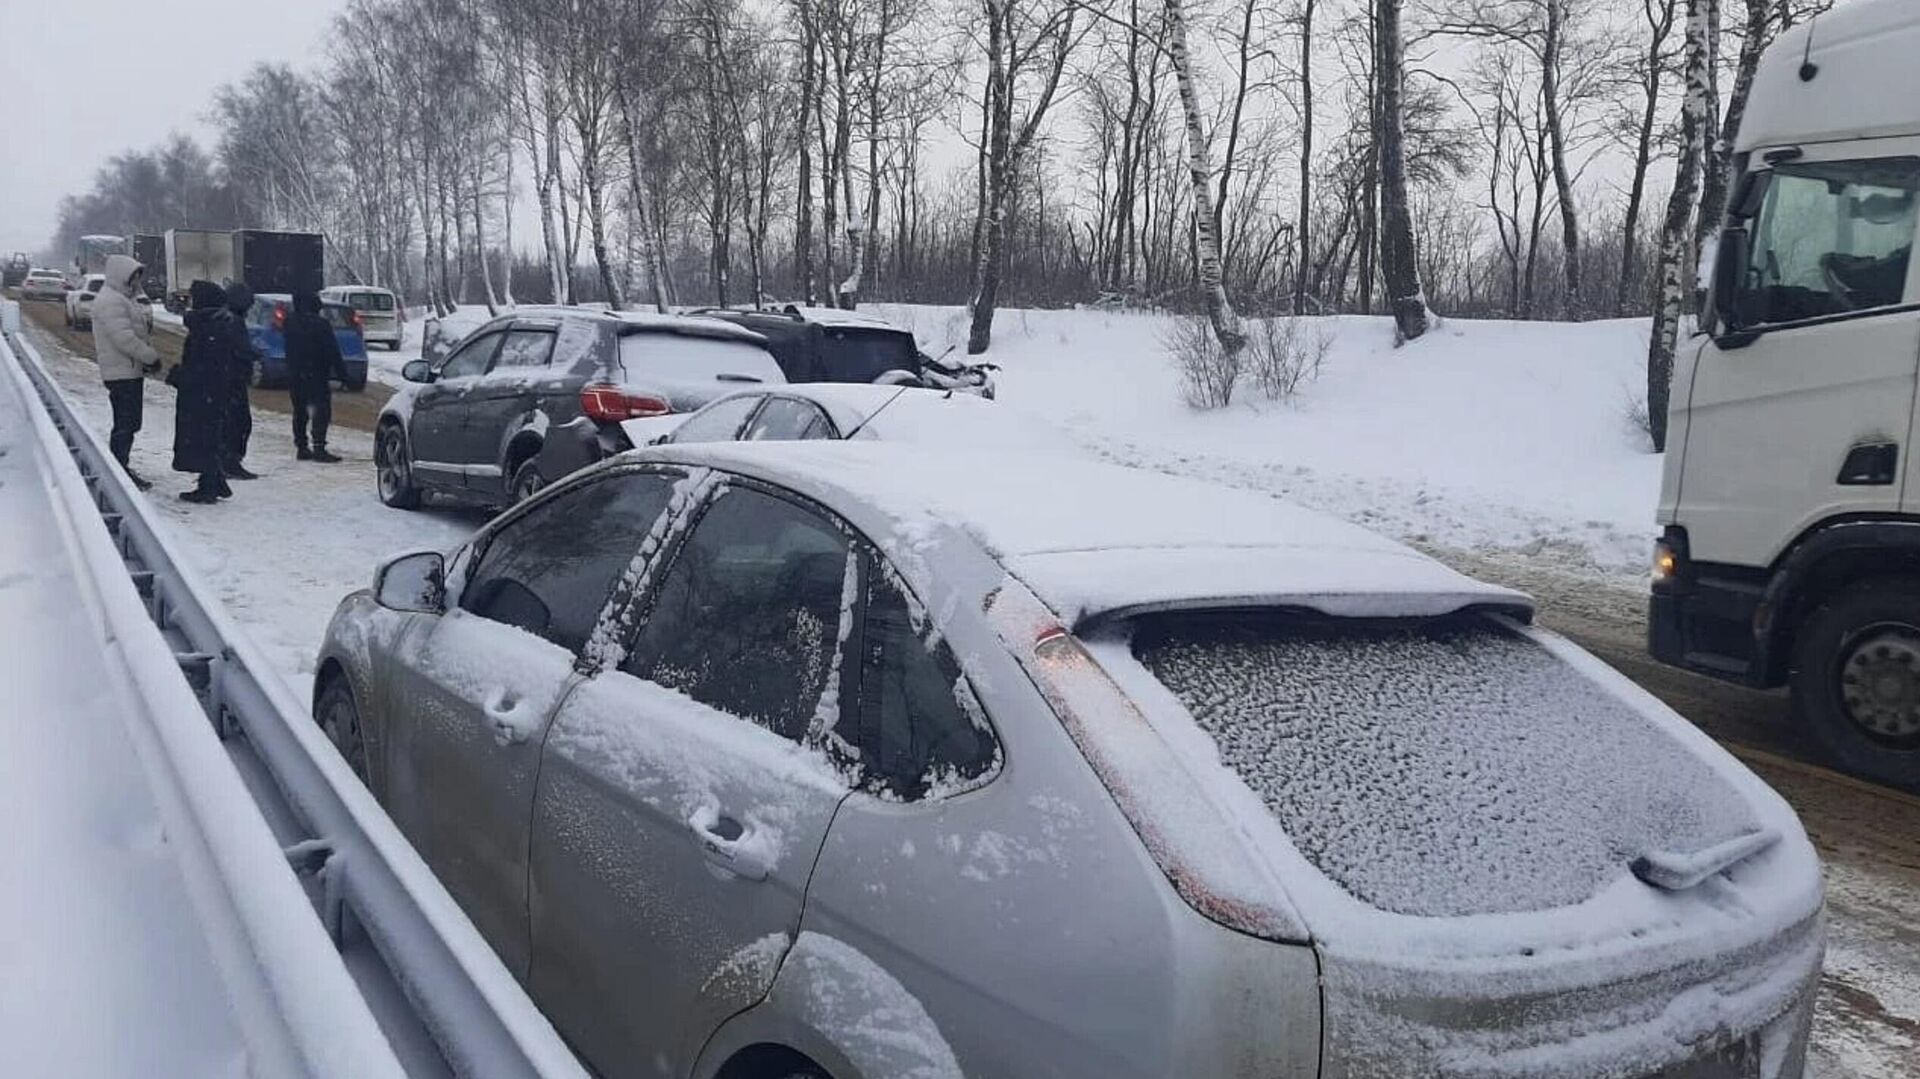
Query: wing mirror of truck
column 417, row 371
column 415, row 581
column 1730, row 295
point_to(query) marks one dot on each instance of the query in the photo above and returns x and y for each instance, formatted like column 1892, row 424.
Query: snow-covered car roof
column 926, row 417
column 1094, row 540
column 643, row 320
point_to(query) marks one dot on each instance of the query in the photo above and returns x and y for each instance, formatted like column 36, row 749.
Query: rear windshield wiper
column 728, row 376
column 1677, row 871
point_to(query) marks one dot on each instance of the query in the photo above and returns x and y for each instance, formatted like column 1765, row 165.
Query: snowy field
column 1510, row 436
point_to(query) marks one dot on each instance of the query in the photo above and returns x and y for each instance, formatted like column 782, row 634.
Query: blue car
column 266, row 324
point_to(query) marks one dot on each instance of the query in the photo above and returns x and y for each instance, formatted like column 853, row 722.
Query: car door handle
column 503, row 711
column 729, row 844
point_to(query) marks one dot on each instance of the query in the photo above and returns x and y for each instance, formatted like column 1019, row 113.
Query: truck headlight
column 1666, row 563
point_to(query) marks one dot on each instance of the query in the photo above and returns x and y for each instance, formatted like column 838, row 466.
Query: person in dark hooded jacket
column 239, row 418
column 204, row 380
column 313, row 361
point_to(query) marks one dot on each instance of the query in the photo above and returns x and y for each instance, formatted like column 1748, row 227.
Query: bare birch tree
column 1674, row 246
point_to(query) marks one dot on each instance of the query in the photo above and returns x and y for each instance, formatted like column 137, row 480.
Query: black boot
column 199, row 497
column 321, row 455
column 302, row 453
column 223, row 491
column 140, row 483
column 237, row 471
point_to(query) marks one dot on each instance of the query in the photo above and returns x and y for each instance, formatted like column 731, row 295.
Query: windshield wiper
column 1672, row 871
column 728, row 376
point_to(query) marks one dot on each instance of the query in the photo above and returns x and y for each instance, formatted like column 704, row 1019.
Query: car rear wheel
column 339, row 717
column 1856, row 679
column 393, row 469
column 527, row 481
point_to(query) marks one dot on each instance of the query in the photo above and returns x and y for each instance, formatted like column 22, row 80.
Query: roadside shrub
column 1208, row 375
column 1284, row 355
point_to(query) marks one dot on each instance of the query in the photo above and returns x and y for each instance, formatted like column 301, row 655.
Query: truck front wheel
column 1856, row 679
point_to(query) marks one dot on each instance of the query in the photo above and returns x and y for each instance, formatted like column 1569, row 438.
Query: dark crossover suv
column 531, row 396
column 828, row 344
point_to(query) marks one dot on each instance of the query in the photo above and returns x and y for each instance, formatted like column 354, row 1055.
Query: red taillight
column 279, row 316
column 608, row 403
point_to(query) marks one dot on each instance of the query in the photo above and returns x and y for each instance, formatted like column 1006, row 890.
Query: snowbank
column 1483, row 434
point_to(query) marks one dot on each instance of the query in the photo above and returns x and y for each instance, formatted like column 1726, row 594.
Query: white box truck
column 196, row 255
column 1790, row 554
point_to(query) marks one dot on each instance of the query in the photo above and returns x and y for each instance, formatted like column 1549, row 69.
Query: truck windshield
column 1831, row 237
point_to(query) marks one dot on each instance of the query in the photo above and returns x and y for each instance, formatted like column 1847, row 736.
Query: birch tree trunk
column 1550, row 102
column 559, row 262
column 1206, row 218
column 1303, row 216
column 1673, row 232
column 1659, row 15
column 1397, row 255
column 803, row 208
column 1717, row 174
column 480, row 246
column 506, row 225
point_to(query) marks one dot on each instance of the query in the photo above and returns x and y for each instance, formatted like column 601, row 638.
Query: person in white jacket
column 120, row 329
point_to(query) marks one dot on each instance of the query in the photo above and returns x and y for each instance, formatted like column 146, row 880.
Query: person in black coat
column 313, row 361
column 239, row 425
column 204, row 380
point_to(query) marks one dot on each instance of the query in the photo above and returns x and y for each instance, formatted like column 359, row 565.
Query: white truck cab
column 1791, row 545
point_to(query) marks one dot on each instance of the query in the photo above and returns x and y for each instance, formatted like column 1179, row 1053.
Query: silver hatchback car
column 865, row 761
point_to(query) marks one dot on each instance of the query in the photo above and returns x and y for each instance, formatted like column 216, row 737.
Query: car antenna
column 858, row 427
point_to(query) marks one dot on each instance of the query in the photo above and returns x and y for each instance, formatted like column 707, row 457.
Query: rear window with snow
column 1437, row 767
column 684, row 358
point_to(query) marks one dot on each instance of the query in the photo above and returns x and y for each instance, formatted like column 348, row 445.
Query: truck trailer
column 1790, row 550
column 279, row 261
column 195, row 255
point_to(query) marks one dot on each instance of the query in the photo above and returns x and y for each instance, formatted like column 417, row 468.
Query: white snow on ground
column 1481, row 435
column 286, row 547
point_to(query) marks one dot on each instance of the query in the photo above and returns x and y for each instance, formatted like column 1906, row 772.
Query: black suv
column 530, row 396
column 828, row 344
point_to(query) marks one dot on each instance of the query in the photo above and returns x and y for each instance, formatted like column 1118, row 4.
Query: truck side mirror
column 1729, row 294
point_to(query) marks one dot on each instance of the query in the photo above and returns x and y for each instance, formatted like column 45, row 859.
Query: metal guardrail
column 442, row 997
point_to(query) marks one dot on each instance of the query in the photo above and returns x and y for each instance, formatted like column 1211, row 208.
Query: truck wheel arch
column 1827, row 558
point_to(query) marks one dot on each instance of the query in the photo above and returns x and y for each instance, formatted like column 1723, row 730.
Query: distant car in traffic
column 531, row 396
column 829, row 411
column 382, row 319
column 80, row 301
column 267, row 325
column 43, row 284
column 861, row 760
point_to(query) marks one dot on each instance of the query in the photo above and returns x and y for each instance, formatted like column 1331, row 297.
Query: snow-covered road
column 288, row 546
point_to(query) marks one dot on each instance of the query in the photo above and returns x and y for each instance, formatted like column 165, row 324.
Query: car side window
column 471, row 358
column 784, row 419
column 718, row 422
column 550, row 570
column 918, row 724
column 751, row 614
column 1830, row 237
column 523, row 349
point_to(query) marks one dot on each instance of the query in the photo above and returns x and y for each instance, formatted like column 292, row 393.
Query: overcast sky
column 82, row 80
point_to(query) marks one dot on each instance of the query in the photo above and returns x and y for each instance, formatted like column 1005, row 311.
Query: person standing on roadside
column 313, row 362
column 204, row 380
column 126, row 357
column 239, row 418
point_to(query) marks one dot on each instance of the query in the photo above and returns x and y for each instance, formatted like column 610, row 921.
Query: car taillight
column 608, row 403
column 353, row 319
column 279, row 316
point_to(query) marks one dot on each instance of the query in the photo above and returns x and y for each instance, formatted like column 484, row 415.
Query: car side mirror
column 417, row 371
column 415, row 581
